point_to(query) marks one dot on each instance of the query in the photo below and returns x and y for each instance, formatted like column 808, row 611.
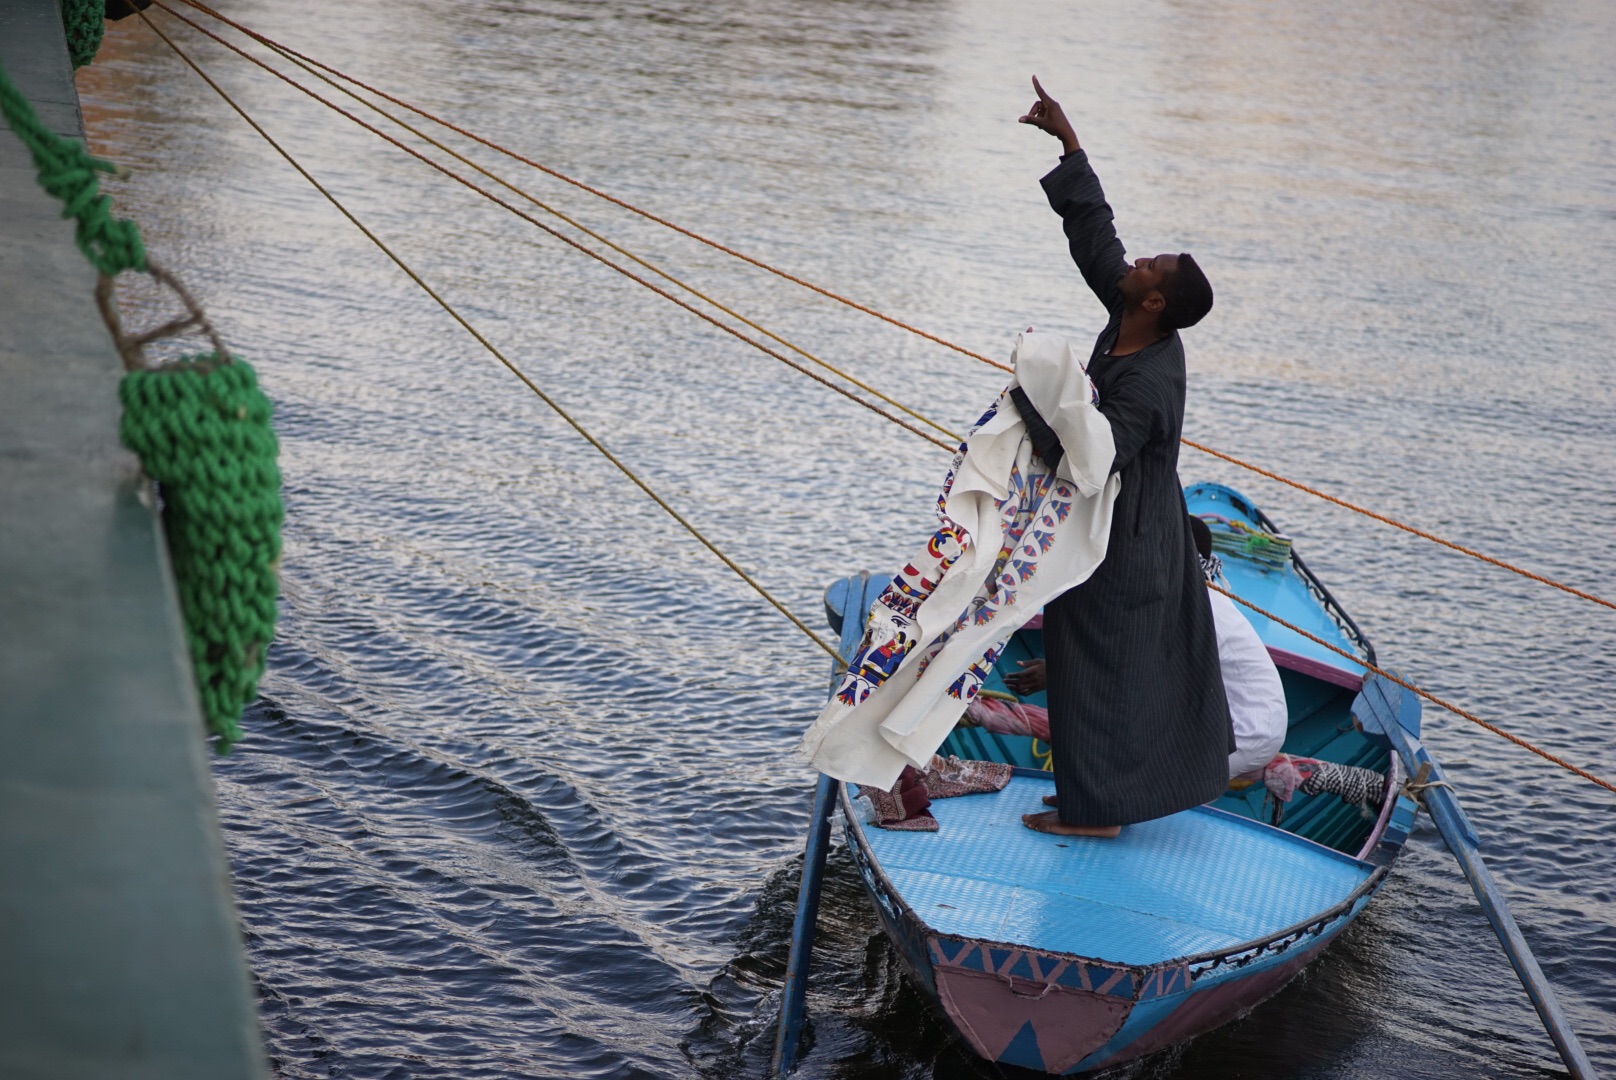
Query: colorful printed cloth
column 907, row 807
column 1013, row 534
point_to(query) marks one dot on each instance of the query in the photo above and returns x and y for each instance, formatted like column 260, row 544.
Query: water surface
column 518, row 798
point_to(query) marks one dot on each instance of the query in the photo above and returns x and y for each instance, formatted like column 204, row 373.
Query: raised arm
column 1075, row 194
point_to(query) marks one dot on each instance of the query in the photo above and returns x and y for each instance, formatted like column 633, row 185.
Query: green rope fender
column 202, row 430
column 84, row 20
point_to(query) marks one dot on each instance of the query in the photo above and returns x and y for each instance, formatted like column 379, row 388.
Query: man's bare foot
column 1049, row 822
column 1050, row 800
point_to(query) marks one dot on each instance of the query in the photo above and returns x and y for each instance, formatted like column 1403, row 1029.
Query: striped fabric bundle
column 1238, row 540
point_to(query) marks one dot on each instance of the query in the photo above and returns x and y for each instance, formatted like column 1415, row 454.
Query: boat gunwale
column 1315, row 669
column 1206, row 961
column 1321, row 592
column 1388, row 803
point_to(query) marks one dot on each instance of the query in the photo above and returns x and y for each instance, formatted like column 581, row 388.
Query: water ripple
column 518, row 800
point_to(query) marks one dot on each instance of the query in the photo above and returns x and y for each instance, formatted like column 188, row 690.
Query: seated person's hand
column 1029, row 680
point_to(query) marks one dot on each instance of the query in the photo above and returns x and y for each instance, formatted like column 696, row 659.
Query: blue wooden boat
column 1067, row 954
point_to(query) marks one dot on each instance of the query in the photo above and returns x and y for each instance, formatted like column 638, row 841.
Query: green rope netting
column 67, row 171
column 84, row 21
column 202, row 430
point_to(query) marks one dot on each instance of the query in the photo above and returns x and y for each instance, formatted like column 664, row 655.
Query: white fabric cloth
column 1251, row 683
column 1013, row 536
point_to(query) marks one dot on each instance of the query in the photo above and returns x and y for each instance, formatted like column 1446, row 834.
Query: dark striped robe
column 1138, row 720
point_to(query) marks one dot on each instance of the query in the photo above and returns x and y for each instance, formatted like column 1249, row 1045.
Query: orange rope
column 885, row 318
column 596, row 191
column 869, row 311
column 485, row 343
column 1399, row 525
column 530, row 219
column 1456, row 710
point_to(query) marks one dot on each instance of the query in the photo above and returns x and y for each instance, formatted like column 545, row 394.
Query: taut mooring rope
column 760, row 264
column 1427, row 695
column 1394, row 523
column 530, row 219
column 586, row 230
column 485, row 343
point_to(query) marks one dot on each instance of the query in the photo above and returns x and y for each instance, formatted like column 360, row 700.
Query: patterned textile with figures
column 1012, row 533
column 1033, row 507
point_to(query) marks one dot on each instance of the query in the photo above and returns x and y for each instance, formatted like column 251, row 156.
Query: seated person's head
column 1203, row 537
column 1203, row 547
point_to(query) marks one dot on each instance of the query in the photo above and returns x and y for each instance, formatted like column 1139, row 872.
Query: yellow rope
column 485, row 343
column 1452, row 708
column 950, row 446
column 595, row 191
column 1044, row 755
column 627, row 472
column 292, row 53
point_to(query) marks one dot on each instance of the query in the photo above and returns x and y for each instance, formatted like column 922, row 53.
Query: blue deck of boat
column 1190, row 883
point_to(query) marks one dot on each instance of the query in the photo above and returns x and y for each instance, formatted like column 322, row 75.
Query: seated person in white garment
column 1250, row 679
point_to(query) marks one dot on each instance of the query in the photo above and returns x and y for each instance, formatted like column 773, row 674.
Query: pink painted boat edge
column 990, row 1010
column 1318, row 669
column 1394, row 788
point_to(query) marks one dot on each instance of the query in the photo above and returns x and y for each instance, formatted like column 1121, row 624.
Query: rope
column 485, row 343
column 84, row 21
column 67, row 172
column 202, row 429
column 132, row 347
column 1394, row 523
column 730, row 563
column 714, row 244
column 593, row 254
column 306, row 60
column 1416, row 787
column 1456, row 710
column 591, row 233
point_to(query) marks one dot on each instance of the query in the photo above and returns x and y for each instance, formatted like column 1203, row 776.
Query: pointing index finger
column 1039, row 90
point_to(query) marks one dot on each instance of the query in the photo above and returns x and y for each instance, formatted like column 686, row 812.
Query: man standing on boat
column 1139, row 725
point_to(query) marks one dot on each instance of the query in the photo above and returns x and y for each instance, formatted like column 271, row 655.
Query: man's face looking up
column 1145, row 278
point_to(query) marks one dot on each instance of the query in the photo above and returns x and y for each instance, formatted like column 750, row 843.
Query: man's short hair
column 1188, row 295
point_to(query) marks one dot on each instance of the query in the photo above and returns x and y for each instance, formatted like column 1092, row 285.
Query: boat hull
column 1066, row 1014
